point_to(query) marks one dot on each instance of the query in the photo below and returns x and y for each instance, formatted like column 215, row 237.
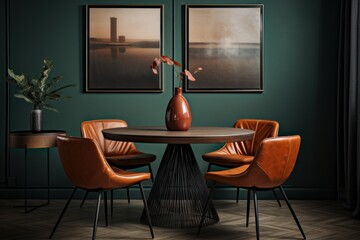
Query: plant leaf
column 46, row 69
column 49, row 107
column 20, row 81
column 17, row 78
column 60, row 88
column 167, row 60
column 189, row 75
column 56, row 79
column 19, row 95
column 176, row 63
column 198, row 69
column 54, row 96
column 155, row 65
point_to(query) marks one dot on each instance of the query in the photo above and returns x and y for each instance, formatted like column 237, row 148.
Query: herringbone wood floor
column 319, row 219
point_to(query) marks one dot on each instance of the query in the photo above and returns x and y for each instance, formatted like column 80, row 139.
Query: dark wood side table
column 30, row 140
column 179, row 193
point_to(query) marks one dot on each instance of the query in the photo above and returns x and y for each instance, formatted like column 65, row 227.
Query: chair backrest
column 262, row 128
column 93, row 129
column 273, row 162
column 84, row 162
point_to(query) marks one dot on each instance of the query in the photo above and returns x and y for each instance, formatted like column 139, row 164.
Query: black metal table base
column 179, row 193
column 29, row 208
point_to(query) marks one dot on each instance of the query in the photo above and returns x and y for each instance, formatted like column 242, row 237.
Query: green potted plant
column 38, row 91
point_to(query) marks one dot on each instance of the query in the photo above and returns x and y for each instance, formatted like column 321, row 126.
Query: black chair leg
column 237, row 195
column 128, row 194
column 63, row 211
column 276, row 197
column 85, row 196
column 208, row 170
column 151, row 172
column 209, row 167
column 106, row 209
column 146, row 210
column 112, row 202
column 256, row 209
column 97, row 215
column 292, row 212
column 205, row 209
column 248, row 207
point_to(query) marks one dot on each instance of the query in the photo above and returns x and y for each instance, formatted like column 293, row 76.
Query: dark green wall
column 300, row 50
column 2, row 90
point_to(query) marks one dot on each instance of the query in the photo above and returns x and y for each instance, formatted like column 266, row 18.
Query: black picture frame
column 121, row 43
column 227, row 42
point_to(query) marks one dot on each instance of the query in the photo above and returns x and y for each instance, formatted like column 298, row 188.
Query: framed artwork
column 227, row 42
column 121, row 43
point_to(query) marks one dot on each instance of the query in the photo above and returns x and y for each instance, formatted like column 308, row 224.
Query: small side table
column 30, row 140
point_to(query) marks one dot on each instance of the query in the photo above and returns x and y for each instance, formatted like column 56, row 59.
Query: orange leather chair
column 273, row 163
column 123, row 155
column 85, row 165
column 236, row 154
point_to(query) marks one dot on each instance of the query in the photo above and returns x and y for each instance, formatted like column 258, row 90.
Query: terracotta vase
column 178, row 114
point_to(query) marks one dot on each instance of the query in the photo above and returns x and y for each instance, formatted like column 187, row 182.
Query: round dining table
column 179, row 192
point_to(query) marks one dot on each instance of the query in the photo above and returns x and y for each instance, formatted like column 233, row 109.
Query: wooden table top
column 29, row 139
column 193, row 135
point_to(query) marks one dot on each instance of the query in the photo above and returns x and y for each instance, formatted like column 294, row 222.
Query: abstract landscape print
column 227, row 41
column 121, row 41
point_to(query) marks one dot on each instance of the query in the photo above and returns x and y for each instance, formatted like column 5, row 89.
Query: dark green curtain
column 348, row 108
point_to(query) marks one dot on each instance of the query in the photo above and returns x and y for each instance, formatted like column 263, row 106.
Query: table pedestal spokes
column 179, row 193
